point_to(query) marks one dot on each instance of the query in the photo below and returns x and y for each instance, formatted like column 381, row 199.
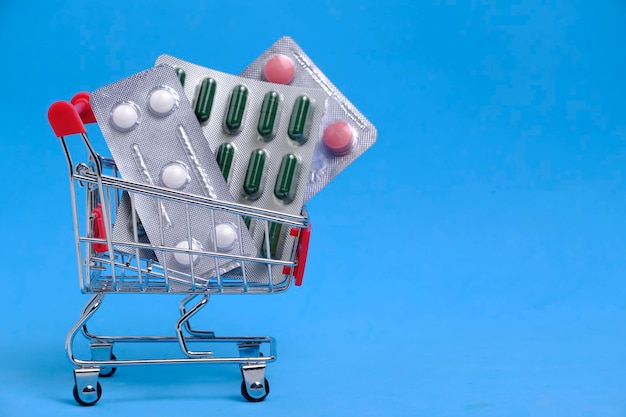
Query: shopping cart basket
column 109, row 266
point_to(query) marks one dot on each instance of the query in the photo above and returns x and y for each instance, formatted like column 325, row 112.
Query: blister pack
column 264, row 137
column 345, row 132
column 154, row 138
column 263, row 134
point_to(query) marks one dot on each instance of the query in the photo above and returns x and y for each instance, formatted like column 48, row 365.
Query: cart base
column 103, row 363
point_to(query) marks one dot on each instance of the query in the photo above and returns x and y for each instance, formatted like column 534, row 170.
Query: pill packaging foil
column 255, row 272
column 258, row 272
column 123, row 229
column 326, row 165
column 248, row 139
column 158, row 139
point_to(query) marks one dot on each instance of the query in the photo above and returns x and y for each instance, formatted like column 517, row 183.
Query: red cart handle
column 302, row 252
column 81, row 103
column 69, row 118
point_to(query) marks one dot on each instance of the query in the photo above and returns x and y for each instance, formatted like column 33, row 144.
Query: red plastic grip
column 302, row 252
column 64, row 119
column 70, row 118
column 81, row 103
column 99, row 231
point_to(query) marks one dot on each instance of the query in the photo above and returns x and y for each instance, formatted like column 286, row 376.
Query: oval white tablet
column 226, row 237
column 162, row 101
column 175, row 176
column 183, row 258
column 125, row 116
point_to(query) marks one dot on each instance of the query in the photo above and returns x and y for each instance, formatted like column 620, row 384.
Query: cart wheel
column 244, row 392
column 83, row 403
column 106, row 372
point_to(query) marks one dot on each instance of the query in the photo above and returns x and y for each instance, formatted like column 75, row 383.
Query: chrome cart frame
column 108, row 266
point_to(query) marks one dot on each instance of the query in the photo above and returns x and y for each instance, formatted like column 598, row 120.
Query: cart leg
column 254, row 386
column 194, row 332
column 179, row 330
column 103, row 351
column 90, row 308
column 87, row 389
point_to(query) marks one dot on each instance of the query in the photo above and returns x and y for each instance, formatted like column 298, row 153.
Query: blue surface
column 471, row 263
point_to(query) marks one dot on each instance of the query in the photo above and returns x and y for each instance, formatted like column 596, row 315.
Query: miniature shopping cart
column 109, row 266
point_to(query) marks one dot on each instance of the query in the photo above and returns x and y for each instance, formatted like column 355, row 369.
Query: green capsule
column 253, row 182
column 204, row 101
column 247, row 220
column 297, row 122
column 236, row 109
column 181, row 75
column 267, row 118
column 225, row 155
column 275, row 229
column 287, row 179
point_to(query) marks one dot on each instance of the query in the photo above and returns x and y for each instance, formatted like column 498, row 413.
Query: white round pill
column 161, row 101
column 183, row 258
column 125, row 116
column 175, row 176
column 226, row 236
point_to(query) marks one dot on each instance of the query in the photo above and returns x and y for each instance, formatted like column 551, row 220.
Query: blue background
column 471, row 263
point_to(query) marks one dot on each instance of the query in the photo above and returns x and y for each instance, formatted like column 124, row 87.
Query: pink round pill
column 338, row 138
column 279, row 69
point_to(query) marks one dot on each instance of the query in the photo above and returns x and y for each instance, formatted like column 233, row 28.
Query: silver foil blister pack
column 248, row 120
column 154, row 138
column 345, row 132
column 256, row 129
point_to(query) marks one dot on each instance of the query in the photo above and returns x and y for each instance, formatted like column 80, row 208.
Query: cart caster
column 254, row 387
column 108, row 371
column 87, row 389
column 259, row 391
column 101, row 351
